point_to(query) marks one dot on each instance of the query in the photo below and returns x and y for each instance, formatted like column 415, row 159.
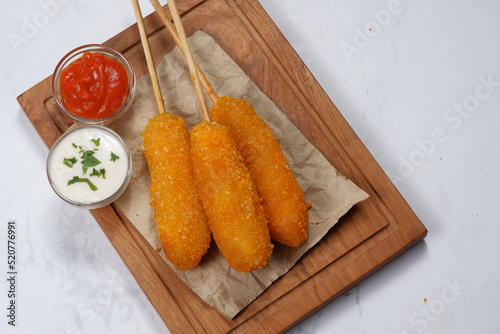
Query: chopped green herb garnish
column 96, row 142
column 76, row 179
column 86, row 153
column 98, row 173
column 114, row 157
column 89, row 160
column 70, row 162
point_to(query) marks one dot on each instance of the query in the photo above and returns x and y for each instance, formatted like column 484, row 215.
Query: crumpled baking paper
column 330, row 193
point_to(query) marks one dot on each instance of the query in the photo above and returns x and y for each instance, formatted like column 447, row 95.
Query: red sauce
column 94, row 86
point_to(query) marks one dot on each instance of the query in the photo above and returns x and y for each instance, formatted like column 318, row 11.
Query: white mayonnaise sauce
column 90, row 150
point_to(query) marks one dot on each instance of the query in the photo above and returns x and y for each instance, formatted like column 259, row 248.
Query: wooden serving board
column 370, row 235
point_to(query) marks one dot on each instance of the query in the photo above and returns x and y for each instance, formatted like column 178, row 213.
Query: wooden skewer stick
column 149, row 58
column 189, row 57
column 175, row 317
column 171, row 29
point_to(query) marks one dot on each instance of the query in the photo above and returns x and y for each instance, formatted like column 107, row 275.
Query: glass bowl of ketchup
column 93, row 84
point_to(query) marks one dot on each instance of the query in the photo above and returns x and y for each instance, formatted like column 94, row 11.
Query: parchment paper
column 330, row 193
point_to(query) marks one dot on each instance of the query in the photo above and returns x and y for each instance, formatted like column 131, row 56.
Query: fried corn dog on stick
column 234, row 209
column 287, row 213
column 284, row 203
column 181, row 221
column 226, row 190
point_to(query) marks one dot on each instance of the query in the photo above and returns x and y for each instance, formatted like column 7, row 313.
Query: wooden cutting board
column 370, row 235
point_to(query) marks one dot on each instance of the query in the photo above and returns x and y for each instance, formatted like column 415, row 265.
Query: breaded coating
column 284, row 203
column 233, row 207
column 180, row 219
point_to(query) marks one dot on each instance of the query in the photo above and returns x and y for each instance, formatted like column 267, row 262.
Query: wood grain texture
column 370, row 235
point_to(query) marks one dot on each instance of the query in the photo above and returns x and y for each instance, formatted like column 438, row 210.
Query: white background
column 419, row 82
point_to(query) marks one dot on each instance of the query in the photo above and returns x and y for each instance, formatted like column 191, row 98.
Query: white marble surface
column 422, row 91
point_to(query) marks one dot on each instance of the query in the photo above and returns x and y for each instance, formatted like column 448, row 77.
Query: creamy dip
column 88, row 165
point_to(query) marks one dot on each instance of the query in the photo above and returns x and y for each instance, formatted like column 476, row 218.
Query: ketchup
column 94, row 86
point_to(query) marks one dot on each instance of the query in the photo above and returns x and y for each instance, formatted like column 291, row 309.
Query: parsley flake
column 96, row 142
column 70, row 162
column 89, row 160
column 98, row 173
column 114, row 157
column 76, row 179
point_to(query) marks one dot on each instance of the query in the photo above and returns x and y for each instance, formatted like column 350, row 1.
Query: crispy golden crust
column 284, row 203
column 180, row 219
column 229, row 197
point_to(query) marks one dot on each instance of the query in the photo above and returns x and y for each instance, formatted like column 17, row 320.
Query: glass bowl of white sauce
column 89, row 166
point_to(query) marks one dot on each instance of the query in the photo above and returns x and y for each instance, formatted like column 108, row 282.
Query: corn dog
column 234, row 210
column 284, row 203
column 181, row 222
